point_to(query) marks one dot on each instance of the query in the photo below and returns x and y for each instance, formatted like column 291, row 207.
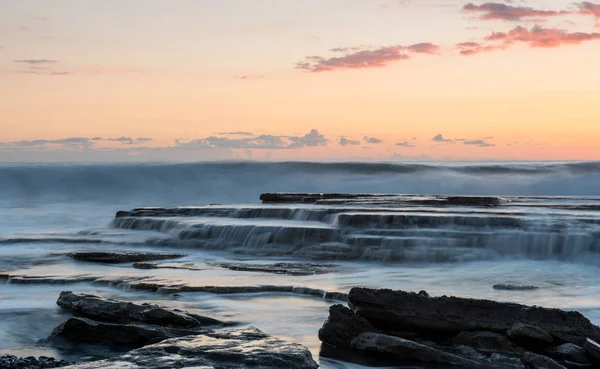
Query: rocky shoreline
column 415, row 328
column 378, row 325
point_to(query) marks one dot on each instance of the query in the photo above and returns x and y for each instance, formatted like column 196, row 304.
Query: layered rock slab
column 232, row 349
column 440, row 317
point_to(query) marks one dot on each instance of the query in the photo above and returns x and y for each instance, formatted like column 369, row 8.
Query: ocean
column 547, row 236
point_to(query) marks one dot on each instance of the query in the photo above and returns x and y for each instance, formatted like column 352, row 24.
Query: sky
column 201, row 80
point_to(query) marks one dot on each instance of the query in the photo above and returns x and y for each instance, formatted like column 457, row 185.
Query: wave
column 243, row 182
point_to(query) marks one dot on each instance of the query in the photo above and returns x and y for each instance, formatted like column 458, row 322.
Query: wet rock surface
column 108, row 310
column 418, row 328
column 30, row 362
column 133, row 335
column 232, row 349
column 121, row 257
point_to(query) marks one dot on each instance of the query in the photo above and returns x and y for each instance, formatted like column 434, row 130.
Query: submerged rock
column 514, row 287
column 536, row 361
column 124, row 312
column 281, row 268
column 30, row 362
column 121, row 257
column 232, row 349
column 440, row 317
column 342, row 327
column 406, row 350
column 135, row 335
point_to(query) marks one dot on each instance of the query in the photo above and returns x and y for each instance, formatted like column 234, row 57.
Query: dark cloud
column 236, row 133
column 312, row 139
column 372, row 140
column 440, row 138
column 346, row 142
column 271, row 142
column 62, row 141
column 480, row 143
column 587, row 8
column 253, row 76
column 36, row 61
column 500, row 11
column 361, row 58
column 144, row 139
column 404, row 144
column 120, row 139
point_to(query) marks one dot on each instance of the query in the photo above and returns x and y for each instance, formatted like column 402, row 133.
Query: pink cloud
column 499, row 11
column 362, row 59
column 587, row 8
column 534, row 37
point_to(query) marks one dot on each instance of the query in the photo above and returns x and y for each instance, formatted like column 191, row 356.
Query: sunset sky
column 193, row 80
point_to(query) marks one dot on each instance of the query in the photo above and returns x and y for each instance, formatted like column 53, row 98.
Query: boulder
column 535, row 361
column 342, row 327
column 124, row 312
column 529, row 336
column 569, row 352
column 488, row 342
column 406, row 350
column 121, row 257
column 443, row 317
column 134, row 335
column 592, row 348
column 232, row 349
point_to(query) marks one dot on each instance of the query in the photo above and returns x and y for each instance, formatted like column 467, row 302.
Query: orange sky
column 184, row 73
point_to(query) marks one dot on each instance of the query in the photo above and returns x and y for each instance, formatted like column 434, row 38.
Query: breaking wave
column 242, row 182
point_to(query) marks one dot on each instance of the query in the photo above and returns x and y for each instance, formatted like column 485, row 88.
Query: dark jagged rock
column 514, row 287
column 30, row 362
column 342, row 327
column 124, row 312
column 569, row 352
column 440, row 317
column 529, row 336
column 592, row 348
column 121, row 257
column 135, row 335
column 231, row 349
column 406, row 350
column 281, row 268
column 535, row 361
column 488, row 342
